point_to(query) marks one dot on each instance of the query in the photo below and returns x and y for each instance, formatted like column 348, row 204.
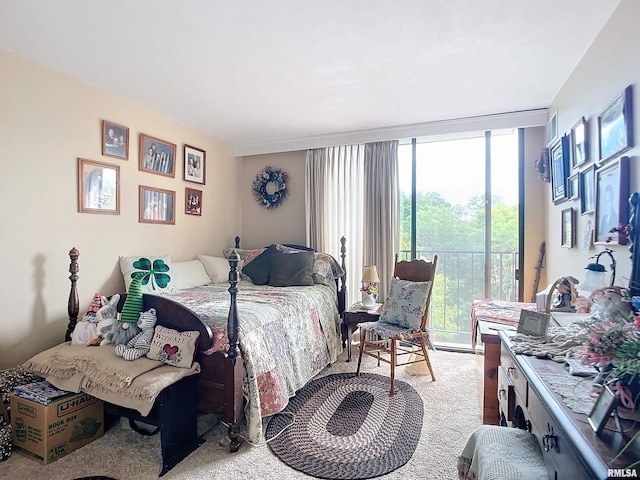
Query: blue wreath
column 259, row 187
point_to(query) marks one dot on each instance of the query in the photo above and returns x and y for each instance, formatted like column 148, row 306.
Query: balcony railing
column 460, row 280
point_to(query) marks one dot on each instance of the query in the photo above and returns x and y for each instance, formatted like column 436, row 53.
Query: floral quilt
column 287, row 336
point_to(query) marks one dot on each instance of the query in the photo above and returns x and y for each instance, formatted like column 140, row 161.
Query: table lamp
column 594, row 276
column 370, row 282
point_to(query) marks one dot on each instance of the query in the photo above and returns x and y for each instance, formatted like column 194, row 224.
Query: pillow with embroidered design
column 405, row 303
column 173, row 347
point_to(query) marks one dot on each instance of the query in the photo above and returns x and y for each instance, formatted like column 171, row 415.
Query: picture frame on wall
column 573, row 191
column 612, row 194
column 157, row 156
column 552, row 129
column 193, row 201
column 587, row 190
column 195, row 163
column 157, row 205
column 579, row 143
column 98, row 187
column 115, row 140
column 568, row 229
column 559, row 170
column 615, row 126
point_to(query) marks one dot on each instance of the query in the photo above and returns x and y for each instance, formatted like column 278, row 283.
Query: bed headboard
column 170, row 314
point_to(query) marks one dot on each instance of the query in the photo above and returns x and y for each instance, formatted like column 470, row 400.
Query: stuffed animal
column 86, row 330
column 106, row 318
column 139, row 345
column 126, row 328
column 611, row 304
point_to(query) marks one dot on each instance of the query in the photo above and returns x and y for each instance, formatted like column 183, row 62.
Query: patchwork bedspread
column 287, row 336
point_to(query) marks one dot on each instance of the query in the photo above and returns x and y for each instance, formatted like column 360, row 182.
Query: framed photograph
column 157, row 156
column 612, row 194
column 115, row 140
column 195, row 162
column 572, row 187
column 602, row 409
column 579, row 143
column 533, row 323
column 587, row 236
column 157, row 205
column 615, row 126
column 559, row 170
column 568, row 228
column 98, row 187
column 552, row 129
column 587, row 190
column 193, row 201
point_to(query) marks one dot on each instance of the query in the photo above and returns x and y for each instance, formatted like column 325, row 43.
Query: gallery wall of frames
column 99, row 181
column 590, row 176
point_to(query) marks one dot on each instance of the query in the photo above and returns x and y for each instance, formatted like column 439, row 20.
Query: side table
column 354, row 315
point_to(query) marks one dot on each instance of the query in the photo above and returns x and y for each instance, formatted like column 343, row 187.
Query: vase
column 368, row 299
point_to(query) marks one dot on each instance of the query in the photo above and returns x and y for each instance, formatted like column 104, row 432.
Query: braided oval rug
column 348, row 427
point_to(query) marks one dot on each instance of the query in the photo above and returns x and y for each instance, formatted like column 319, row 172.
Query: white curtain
column 381, row 196
column 334, row 207
column 353, row 191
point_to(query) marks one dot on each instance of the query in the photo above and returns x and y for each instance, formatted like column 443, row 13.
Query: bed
column 258, row 344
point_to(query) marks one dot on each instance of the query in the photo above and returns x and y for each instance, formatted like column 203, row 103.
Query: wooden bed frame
column 219, row 389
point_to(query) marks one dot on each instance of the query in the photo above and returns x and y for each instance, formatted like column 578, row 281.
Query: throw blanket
column 98, row 372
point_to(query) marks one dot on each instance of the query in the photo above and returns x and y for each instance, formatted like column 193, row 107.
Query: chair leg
column 423, row 344
column 393, row 366
column 361, row 349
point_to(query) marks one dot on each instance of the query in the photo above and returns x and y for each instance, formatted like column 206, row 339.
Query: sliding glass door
column 459, row 201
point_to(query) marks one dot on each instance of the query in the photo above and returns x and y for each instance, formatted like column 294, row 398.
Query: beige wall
column 261, row 226
column 610, row 64
column 47, row 121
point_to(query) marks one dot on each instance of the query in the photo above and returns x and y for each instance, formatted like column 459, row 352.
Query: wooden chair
column 401, row 328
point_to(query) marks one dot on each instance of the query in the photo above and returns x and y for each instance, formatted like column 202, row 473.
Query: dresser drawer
column 506, row 394
column 514, row 373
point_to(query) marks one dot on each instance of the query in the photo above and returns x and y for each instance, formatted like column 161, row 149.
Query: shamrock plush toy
column 139, row 345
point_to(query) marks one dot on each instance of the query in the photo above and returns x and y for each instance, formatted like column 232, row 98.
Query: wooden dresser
column 570, row 447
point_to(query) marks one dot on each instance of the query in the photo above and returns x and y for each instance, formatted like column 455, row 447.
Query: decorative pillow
column 173, row 347
column 158, row 269
column 291, row 269
column 259, row 269
column 246, row 256
column 405, row 303
column 326, row 269
column 189, row 274
column 216, row 267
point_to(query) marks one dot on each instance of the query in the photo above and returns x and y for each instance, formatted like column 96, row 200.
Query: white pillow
column 189, row 274
column 160, row 269
column 217, row 268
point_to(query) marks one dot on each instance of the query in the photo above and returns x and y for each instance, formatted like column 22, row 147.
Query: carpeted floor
column 452, row 410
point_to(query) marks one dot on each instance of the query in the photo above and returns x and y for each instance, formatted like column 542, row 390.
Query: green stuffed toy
column 127, row 327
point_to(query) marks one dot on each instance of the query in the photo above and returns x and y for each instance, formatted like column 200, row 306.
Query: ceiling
column 258, row 73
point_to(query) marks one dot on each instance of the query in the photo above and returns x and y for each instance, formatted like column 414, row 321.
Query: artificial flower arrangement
column 370, row 289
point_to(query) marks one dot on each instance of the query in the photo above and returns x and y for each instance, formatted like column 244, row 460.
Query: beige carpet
column 452, row 408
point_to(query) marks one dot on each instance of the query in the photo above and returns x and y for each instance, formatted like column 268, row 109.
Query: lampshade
column 370, row 274
column 594, row 277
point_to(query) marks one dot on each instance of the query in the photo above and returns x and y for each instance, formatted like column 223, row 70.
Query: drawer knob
column 502, row 393
column 549, row 439
column 511, row 371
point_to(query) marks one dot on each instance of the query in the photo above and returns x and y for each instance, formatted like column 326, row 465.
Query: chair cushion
column 405, row 303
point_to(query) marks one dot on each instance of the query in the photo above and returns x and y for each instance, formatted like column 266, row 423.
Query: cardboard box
column 45, row 433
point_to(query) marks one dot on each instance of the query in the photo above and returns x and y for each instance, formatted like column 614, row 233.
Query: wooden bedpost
column 342, row 294
column 73, row 305
column 634, row 221
column 232, row 319
column 237, row 241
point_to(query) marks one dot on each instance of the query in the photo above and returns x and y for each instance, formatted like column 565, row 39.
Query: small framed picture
column 615, row 126
column 115, row 140
column 195, row 162
column 98, row 187
column 193, row 201
column 572, row 187
column 533, row 323
column 579, row 143
column 612, row 206
column 552, row 129
column 587, row 190
column 157, row 205
column 568, row 228
column 559, row 170
column 602, row 409
column 157, row 156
